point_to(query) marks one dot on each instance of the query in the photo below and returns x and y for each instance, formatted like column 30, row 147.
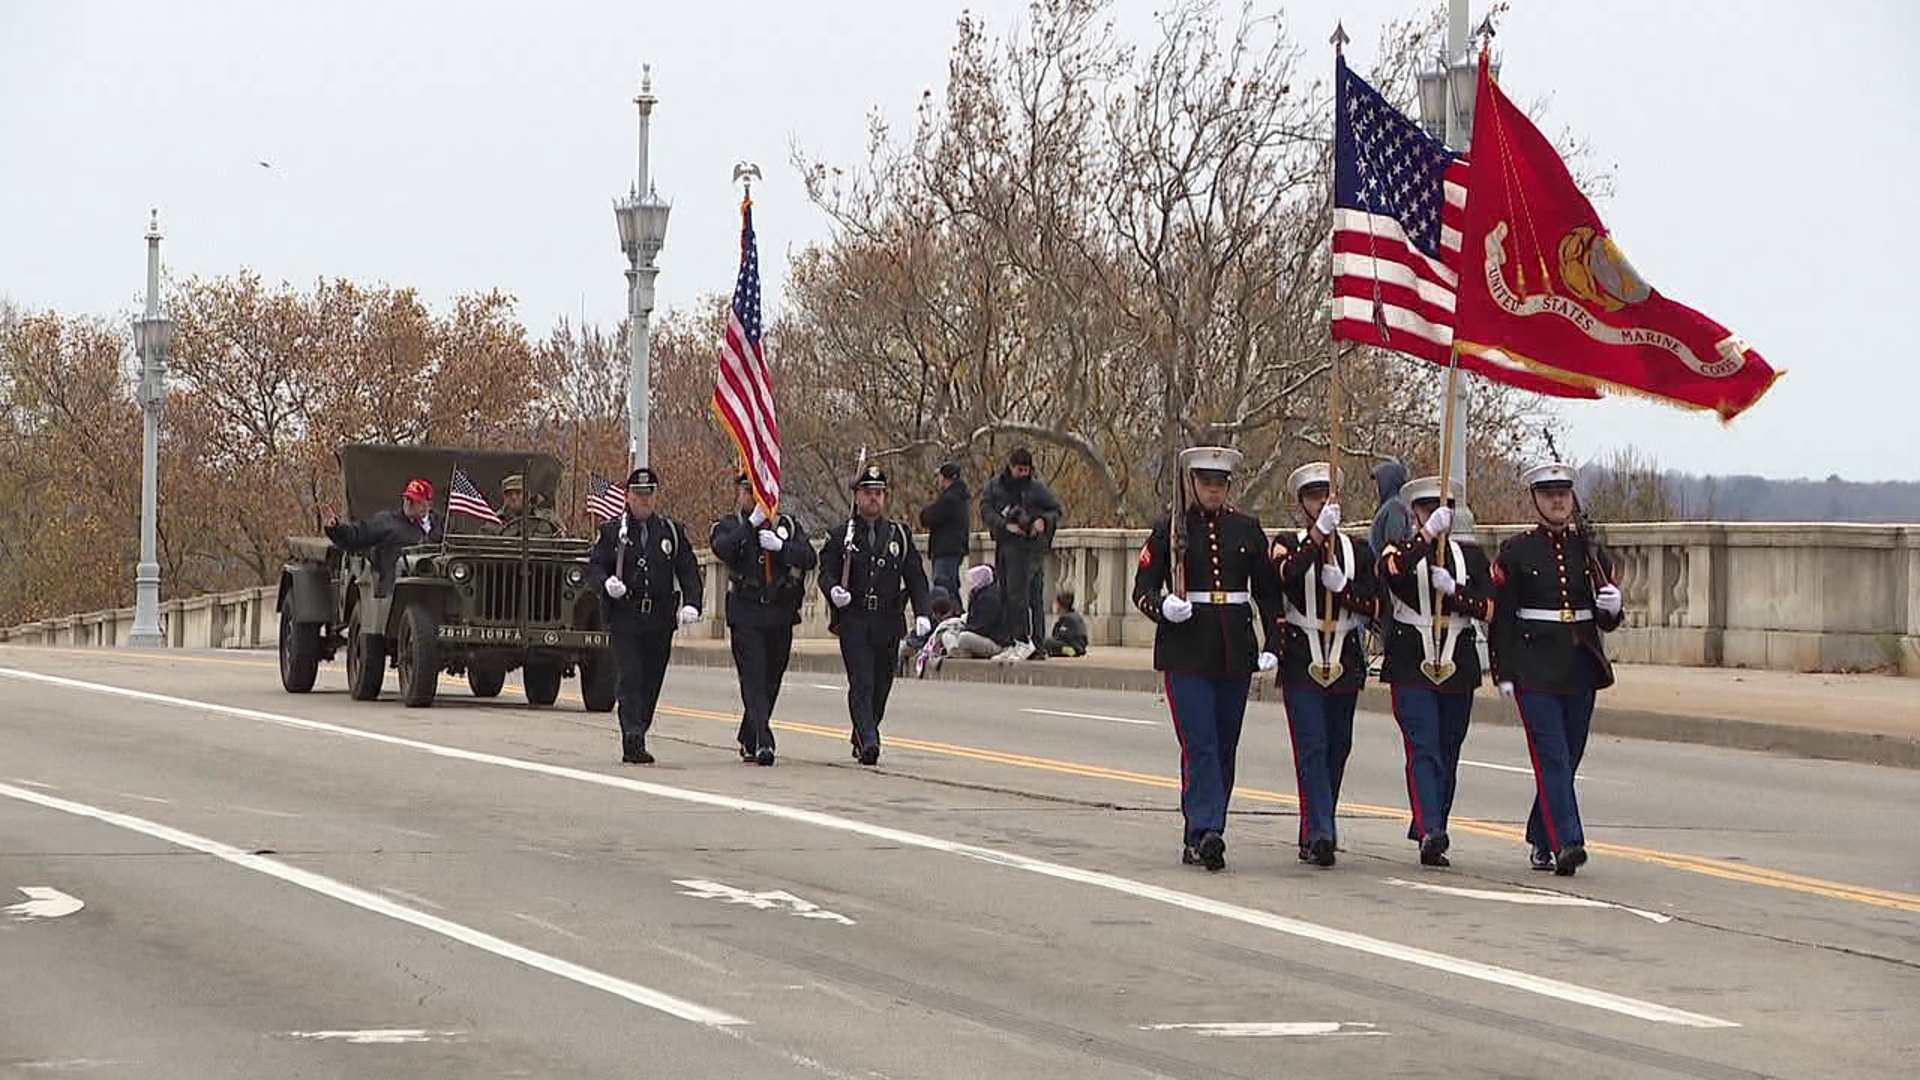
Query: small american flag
column 1399, row 205
column 464, row 498
column 604, row 501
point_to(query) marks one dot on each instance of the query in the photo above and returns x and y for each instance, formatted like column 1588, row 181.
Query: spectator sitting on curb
column 984, row 634
column 1069, row 636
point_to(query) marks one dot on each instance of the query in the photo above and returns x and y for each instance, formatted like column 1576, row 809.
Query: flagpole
column 744, row 174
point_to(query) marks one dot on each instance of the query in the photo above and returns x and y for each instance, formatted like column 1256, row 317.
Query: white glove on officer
column 1607, row 599
column 1438, row 522
column 1334, row 578
column 1329, row 521
column 921, row 626
column 689, row 615
column 1268, row 661
column 770, row 540
column 839, row 596
column 616, row 588
column 1176, row 609
column 1443, row 582
column 1506, row 691
column 758, row 517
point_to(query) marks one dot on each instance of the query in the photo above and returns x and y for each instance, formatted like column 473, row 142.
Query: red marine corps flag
column 743, row 393
column 1543, row 284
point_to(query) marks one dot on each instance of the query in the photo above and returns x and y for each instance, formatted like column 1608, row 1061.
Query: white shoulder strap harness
column 1325, row 648
column 1439, row 635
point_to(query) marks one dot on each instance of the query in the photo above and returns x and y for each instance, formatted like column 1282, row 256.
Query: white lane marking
column 1536, row 897
column 1092, row 716
column 72, row 1064
column 145, row 798
column 686, row 957
column 1521, row 769
column 381, row 1036
column 825, row 686
column 412, row 898
column 379, row 905
column 262, row 811
column 42, row 902
column 1325, row 935
column 32, row 784
column 763, row 901
column 552, row 928
column 1271, row 1030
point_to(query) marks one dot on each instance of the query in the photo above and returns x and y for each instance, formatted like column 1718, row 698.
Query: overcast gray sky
column 1764, row 156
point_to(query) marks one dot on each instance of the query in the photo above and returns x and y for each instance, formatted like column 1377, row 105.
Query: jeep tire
column 542, row 682
column 299, row 653
column 417, row 652
column 599, row 682
column 366, row 662
column 485, row 682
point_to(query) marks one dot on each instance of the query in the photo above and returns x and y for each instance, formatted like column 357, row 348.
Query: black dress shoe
column 1568, row 859
column 636, row 754
column 1189, row 856
column 1540, row 859
column 870, row 754
column 1433, row 850
column 1212, row 850
column 746, row 752
column 1323, row 851
column 764, row 755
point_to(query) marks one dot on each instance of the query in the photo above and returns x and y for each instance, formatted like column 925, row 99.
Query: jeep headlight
column 575, row 576
column 459, row 571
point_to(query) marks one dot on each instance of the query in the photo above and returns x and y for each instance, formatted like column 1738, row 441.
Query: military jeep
column 466, row 602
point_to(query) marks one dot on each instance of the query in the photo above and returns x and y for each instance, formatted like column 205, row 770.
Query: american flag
column 1399, row 203
column 604, row 501
column 743, row 393
column 464, row 498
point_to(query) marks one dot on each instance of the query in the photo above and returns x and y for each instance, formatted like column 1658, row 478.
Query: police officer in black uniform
column 637, row 562
column 1437, row 589
column 870, row 571
column 1554, row 595
column 1327, row 579
column 1205, row 638
column 767, row 560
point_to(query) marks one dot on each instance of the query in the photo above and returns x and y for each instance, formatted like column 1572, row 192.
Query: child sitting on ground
column 1069, row 636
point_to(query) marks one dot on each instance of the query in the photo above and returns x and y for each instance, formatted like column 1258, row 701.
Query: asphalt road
column 277, row 885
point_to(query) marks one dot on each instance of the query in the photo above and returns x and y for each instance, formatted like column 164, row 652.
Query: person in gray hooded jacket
column 1391, row 523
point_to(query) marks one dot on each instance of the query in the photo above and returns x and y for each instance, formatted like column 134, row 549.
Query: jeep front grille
column 497, row 589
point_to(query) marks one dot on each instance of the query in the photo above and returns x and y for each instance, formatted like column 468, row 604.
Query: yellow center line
column 1696, row 864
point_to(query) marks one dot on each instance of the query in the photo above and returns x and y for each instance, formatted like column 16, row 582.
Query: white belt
column 1404, row 613
column 1534, row 614
column 1219, row 597
column 1346, row 621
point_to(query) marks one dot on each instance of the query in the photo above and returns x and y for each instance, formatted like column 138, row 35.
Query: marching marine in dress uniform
column 1554, row 595
column 871, row 571
column 1205, row 637
column 638, row 561
column 1328, row 583
column 767, row 562
column 1433, row 659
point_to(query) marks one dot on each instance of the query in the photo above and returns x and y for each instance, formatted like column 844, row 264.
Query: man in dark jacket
column 1022, row 515
column 945, row 520
column 1391, row 523
column 389, row 531
column 767, row 560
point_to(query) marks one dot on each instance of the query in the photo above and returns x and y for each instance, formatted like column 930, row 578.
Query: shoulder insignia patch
column 1499, row 574
column 1146, row 555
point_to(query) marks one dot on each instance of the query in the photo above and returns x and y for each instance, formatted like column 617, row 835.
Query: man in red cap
column 389, row 530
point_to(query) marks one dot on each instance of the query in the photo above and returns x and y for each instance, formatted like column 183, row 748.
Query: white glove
column 1438, row 522
column 1608, row 599
column 1506, row 691
column 1268, row 661
column 689, row 615
column 1334, row 578
column 1443, row 582
column 1176, row 608
column 921, row 626
column 770, row 540
column 1329, row 521
column 616, row 588
column 758, row 517
column 839, row 596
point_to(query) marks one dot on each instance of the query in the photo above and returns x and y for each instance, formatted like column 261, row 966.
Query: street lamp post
column 642, row 218
column 1446, row 111
column 152, row 340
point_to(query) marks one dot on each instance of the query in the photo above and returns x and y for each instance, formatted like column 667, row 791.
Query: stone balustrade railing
column 1830, row 597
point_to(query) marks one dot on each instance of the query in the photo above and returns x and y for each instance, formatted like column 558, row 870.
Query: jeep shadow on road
column 470, row 603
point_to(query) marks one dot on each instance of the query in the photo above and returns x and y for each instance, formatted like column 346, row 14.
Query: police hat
column 1549, row 476
column 742, row 480
column 873, row 476
column 643, row 480
column 1211, row 462
column 1311, row 477
column 1426, row 490
column 516, row 482
column 950, row 470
